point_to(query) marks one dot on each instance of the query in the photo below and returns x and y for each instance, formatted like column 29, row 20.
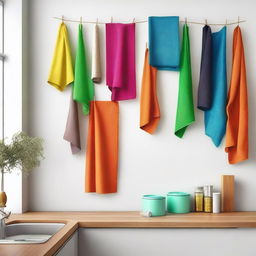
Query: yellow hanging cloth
column 61, row 72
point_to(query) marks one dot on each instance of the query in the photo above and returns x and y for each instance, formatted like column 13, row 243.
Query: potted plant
column 23, row 153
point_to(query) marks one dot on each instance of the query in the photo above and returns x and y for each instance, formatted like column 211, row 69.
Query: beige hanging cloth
column 72, row 133
column 96, row 62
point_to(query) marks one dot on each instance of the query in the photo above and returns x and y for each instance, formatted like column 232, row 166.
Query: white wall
column 147, row 164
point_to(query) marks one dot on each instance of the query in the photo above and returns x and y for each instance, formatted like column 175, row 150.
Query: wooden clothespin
column 133, row 21
column 81, row 20
column 205, row 21
column 97, row 21
column 111, row 19
column 238, row 20
column 186, row 20
column 62, row 18
column 146, row 45
column 226, row 22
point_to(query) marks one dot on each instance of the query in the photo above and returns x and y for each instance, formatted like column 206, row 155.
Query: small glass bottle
column 208, row 198
column 199, row 199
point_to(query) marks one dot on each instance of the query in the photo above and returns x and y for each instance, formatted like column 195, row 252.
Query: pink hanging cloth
column 120, row 60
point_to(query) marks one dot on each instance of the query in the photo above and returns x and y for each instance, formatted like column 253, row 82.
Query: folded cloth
column 102, row 148
column 215, row 118
column 96, row 61
column 120, row 60
column 72, row 133
column 204, row 99
column 61, row 72
column 164, row 43
column 83, row 85
column 237, row 107
column 185, row 108
column 149, row 107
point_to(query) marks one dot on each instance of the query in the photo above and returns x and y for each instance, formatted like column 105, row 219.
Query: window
column 2, row 65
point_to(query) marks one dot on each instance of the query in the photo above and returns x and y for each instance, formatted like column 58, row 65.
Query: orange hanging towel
column 102, row 147
column 237, row 106
column 149, row 107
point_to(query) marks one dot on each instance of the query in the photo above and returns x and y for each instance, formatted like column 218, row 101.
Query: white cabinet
column 166, row 242
column 70, row 248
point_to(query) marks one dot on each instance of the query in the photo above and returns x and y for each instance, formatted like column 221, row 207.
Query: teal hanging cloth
column 215, row 118
column 83, row 85
column 164, row 42
column 185, row 108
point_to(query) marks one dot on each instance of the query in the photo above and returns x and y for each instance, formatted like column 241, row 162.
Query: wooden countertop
column 74, row 220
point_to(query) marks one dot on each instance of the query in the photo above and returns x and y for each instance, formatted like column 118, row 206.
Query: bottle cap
column 208, row 190
column 216, row 194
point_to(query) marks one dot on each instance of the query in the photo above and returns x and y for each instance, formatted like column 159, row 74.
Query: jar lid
column 153, row 197
column 177, row 194
column 199, row 189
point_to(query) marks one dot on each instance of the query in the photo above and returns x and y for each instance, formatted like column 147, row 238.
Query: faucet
column 3, row 215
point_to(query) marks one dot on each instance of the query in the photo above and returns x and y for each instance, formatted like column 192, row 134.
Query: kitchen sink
column 30, row 233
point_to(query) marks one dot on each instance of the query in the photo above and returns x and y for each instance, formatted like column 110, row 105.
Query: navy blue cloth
column 215, row 117
column 204, row 99
column 164, row 42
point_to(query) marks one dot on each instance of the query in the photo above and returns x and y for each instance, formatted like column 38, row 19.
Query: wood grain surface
column 74, row 220
column 227, row 193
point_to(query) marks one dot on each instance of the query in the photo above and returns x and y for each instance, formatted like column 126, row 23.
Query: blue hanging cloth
column 215, row 117
column 164, row 42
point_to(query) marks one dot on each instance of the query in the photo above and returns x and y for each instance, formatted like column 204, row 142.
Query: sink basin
column 30, row 233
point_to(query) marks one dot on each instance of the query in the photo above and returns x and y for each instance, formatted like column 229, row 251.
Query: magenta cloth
column 120, row 60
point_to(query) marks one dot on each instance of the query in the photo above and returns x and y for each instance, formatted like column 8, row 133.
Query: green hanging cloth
column 185, row 108
column 83, row 85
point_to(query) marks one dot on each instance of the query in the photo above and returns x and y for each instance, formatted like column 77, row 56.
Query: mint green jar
column 178, row 202
column 153, row 204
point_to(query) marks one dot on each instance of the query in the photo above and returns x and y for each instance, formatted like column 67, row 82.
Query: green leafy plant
column 23, row 153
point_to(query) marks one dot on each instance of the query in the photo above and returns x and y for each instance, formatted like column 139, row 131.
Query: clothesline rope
column 144, row 21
